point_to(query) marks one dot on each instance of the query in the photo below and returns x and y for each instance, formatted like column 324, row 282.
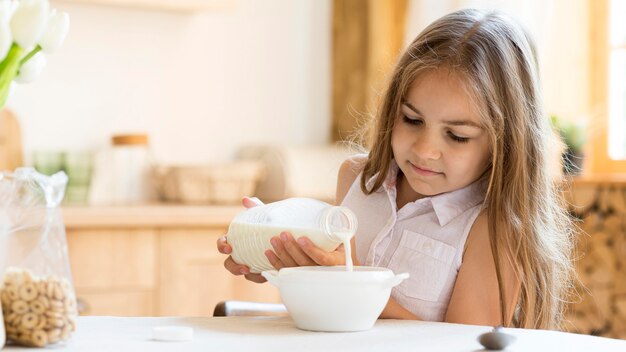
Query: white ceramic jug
column 325, row 225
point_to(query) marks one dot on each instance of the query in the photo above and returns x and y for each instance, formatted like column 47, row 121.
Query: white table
column 280, row 334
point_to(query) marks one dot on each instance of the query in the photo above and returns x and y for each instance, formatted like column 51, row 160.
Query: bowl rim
column 333, row 275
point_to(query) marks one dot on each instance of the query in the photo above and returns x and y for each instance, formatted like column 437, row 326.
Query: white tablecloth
column 280, row 334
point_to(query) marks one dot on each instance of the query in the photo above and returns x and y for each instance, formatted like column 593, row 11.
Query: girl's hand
column 224, row 248
column 288, row 252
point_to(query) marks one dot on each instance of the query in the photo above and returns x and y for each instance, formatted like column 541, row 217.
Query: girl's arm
column 393, row 310
column 476, row 296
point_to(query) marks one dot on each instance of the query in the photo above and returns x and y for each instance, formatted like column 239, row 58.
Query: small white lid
column 172, row 333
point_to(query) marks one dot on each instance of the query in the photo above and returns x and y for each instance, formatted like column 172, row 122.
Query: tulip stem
column 30, row 55
column 8, row 70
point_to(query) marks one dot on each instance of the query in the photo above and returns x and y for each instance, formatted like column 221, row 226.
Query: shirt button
column 428, row 247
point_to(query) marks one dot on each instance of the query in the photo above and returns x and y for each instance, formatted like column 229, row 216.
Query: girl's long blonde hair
column 528, row 222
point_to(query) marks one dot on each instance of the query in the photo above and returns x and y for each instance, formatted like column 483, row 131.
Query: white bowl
column 321, row 298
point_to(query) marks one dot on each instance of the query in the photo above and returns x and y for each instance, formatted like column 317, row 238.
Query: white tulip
column 56, row 31
column 7, row 7
column 6, row 39
column 29, row 22
column 31, row 68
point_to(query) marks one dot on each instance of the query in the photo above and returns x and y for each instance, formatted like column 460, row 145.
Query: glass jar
column 131, row 163
column 122, row 172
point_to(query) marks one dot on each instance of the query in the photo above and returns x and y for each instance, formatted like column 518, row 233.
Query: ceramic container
column 322, row 298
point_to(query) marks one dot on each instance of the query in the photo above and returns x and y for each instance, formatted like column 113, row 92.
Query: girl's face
column 438, row 140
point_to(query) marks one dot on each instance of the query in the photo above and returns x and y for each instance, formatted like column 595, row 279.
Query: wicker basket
column 211, row 184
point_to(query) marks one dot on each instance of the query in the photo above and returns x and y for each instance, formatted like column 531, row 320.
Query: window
column 617, row 80
column 607, row 86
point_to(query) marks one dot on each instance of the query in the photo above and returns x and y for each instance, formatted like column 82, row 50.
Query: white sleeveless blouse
column 425, row 238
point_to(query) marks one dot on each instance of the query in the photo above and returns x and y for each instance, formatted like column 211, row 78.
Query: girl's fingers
column 320, row 256
column 279, row 248
column 234, row 268
column 250, row 202
column 274, row 260
column 223, row 246
column 294, row 250
column 258, row 278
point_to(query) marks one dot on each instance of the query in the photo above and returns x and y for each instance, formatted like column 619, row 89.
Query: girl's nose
column 426, row 147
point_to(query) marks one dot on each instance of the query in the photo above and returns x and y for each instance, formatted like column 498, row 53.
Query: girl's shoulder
column 348, row 173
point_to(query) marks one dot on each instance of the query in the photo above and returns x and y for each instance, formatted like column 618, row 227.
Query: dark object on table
column 496, row 339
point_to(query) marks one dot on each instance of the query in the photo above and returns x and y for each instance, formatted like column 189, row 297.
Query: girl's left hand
column 288, row 252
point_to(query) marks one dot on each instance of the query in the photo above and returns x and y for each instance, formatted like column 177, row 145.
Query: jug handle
column 396, row 280
column 271, row 276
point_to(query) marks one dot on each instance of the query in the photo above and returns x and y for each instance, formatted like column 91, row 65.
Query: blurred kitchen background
column 165, row 112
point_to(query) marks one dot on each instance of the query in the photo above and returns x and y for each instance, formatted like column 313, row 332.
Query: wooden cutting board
column 11, row 155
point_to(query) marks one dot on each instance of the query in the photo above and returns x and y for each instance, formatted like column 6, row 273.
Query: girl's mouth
column 423, row 171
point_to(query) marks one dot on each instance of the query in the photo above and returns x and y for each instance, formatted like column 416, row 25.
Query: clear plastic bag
column 36, row 290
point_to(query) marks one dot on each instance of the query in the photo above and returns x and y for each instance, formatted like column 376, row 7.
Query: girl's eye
column 458, row 139
column 411, row 121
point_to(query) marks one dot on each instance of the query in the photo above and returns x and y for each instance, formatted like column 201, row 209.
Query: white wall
column 199, row 84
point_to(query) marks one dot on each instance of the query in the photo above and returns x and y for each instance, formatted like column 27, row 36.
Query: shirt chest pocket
column 427, row 260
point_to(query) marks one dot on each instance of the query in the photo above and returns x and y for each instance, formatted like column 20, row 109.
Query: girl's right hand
column 224, row 248
column 289, row 252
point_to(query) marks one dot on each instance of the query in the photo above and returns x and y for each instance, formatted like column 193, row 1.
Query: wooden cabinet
column 192, row 277
column 153, row 261
column 114, row 271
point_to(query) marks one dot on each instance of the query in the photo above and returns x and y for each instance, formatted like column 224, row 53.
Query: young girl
column 457, row 188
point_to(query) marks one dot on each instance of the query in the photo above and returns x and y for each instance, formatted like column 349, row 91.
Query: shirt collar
column 447, row 206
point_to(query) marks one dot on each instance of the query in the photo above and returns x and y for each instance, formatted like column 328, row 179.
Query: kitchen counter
column 280, row 334
column 140, row 260
column 151, row 215
column 593, row 179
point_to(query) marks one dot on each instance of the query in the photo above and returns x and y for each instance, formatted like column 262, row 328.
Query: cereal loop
column 30, row 320
column 19, row 307
column 37, row 307
column 13, row 319
column 39, row 338
column 43, row 321
column 42, row 287
column 67, row 330
column 56, row 306
column 12, row 293
column 54, row 335
column 58, row 292
column 29, row 292
column 56, row 322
